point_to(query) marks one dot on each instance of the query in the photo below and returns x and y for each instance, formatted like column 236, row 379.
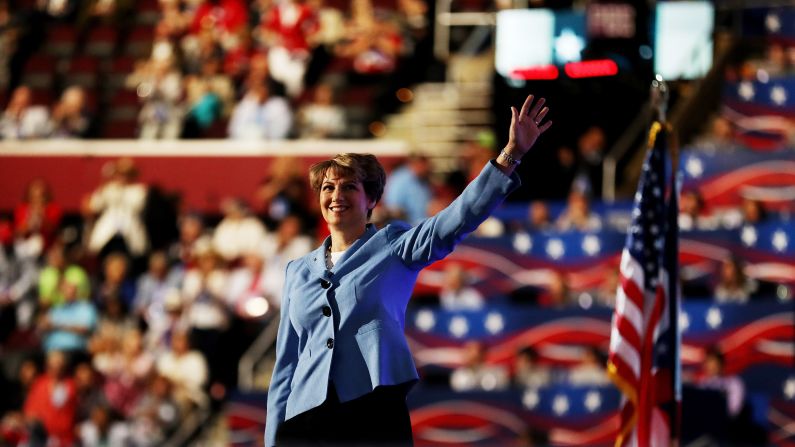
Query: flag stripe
column 642, row 347
column 646, row 398
column 629, row 309
column 633, row 291
column 625, row 333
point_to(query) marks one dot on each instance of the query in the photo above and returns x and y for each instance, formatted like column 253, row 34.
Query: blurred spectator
column 115, row 285
column 152, row 288
column 557, row 293
column 174, row 21
column 210, row 96
column 288, row 27
column 590, row 370
column 564, row 165
column 19, row 273
column 119, row 204
column 67, row 327
column 331, row 25
column 114, row 326
column 9, row 36
column 126, row 372
column 15, row 391
column 159, row 85
column 191, row 234
column 261, row 115
column 321, row 118
column 733, row 285
column 38, row 214
column 456, row 294
column 160, row 332
column 414, row 24
column 98, row 12
column 590, row 148
column 606, row 293
column 714, row 376
column 186, row 369
column 528, row 372
column 258, row 71
column 223, row 17
column 199, row 50
column 692, row 214
column 751, row 212
column 203, row 108
column 407, row 190
column 721, row 135
column 70, row 117
column 284, row 192
column 156, row 415
column 102, row 429
column 58, row 9
column 475, row 374
column 475, row 155
column 89, row 388
column 279, row 248
column 238, row 231
column 539, row 217
column 247, row 284
column 59, row 269
column 206, row 308
column 51, row 404
column 776, row 63
column 373, row 43
column 578, row 215
column 21, row 119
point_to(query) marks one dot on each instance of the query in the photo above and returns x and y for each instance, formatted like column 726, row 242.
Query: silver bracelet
column 512, row 161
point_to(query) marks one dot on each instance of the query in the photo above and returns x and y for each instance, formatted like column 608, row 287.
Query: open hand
column 526, row 126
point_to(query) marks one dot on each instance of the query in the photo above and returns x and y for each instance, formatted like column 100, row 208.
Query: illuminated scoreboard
column 604, row 39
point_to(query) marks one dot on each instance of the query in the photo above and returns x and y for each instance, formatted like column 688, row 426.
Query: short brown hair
column 362, row 167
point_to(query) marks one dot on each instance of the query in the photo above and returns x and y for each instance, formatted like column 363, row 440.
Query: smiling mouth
column 337, row 209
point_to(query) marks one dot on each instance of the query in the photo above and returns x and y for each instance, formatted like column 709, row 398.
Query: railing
column 254, row 355
column 446, row 19
column 198, row 148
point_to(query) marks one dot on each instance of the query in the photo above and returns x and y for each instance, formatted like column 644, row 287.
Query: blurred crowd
column 119, row 326
column 133, row 313
column 119, row 321
column 265, row 69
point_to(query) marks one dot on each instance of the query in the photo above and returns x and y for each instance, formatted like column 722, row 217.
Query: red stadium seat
column 139, row 44
column 120, row 68
column 41, row 97
column 101, row 42
column 61, row 41
column 147, row 12
column 40, row 71
column 120, row 129
column 82, row 71
column 124, row 105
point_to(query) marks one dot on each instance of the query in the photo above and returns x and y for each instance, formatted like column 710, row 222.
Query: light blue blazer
column 346, row 325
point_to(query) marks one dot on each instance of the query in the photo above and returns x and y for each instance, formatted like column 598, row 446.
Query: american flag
column 644, row 341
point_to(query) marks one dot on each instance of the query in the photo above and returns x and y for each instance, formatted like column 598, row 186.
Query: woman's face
column 343, row 202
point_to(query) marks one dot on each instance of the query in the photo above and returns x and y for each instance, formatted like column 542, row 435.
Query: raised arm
column 526, row 127
column 437, row 236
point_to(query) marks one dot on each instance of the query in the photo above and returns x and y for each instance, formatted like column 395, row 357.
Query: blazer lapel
column 317, row 260
column 369, row 231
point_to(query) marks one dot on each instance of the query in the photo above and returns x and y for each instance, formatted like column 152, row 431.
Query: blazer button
column 326, row 311
column 325, row 284
column 330, row 343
